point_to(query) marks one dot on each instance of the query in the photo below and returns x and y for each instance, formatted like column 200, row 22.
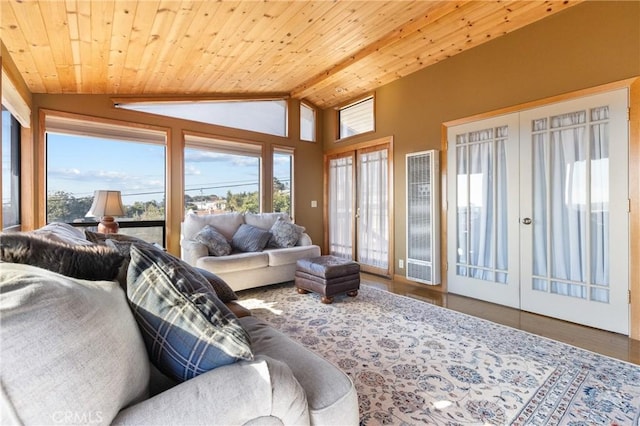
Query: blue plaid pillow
column 187, row 330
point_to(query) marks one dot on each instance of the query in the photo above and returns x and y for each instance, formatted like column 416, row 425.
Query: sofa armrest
column 192, row 251
column 263, row 389
column 304, row 240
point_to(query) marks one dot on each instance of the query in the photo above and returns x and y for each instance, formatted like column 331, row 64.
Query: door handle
column 527, row 221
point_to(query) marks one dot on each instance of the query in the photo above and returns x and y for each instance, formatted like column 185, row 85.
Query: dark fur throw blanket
column 88, row 262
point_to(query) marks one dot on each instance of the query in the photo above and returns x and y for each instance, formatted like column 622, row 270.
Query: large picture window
column 10, row 170
column 283, row 180
column 82, row 157
column 221, row 176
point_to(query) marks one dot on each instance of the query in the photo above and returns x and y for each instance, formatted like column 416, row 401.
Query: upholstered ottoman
column 327, row 276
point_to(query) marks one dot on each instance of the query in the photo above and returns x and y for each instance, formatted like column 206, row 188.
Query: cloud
column 85, row 182
column 199, row 156
column 191, row 170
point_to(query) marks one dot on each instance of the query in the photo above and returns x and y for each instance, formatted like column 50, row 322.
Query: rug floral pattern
column 414, row 363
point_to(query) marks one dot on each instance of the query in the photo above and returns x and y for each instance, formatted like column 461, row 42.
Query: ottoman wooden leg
column 327, row 300
column 302, row 290
column 352, row 293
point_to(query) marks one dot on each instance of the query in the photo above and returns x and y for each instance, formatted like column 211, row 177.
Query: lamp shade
column 106, row 203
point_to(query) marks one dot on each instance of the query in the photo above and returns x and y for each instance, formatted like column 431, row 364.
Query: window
column 307, row 123
column 265, row 116
column 221, row 176
column 356, row 118
column 283, row 180
column 84, row 156
column 10, row 170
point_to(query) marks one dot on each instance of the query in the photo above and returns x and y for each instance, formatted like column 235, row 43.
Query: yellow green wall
column 585, row 46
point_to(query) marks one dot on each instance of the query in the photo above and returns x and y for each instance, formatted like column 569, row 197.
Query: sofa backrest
column 264, row 220
column 71, row 349
column 226, row 223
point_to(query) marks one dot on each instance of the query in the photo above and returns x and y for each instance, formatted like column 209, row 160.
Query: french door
column 358, row 207
column 574, row 209
column 484, row 213
column 541, row 221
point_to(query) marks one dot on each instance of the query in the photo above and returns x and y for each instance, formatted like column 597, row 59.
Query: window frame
column 314, row 124
column 15, row 189
column 54, row 121
column 140, row 106
column 224, row 145
column 352, row 104
column 284, row 150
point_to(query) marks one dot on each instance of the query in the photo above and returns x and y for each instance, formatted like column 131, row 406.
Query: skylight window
column 263, row 116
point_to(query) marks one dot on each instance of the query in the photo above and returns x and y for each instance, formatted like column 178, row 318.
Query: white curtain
column 571, row 204
column 341, row 207
column 482, row 205
column 373, row 199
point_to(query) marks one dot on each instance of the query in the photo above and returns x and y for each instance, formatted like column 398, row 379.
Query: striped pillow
column 250, row 238
column 187, row 330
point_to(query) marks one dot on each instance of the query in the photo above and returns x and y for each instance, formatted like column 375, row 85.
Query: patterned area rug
column 414, row 363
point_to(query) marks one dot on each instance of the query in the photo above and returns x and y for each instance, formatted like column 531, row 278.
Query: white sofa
column 73, row 353
column 243, row 270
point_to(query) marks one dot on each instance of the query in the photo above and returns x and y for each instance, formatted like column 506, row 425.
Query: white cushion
column 264, row 220
column 64, row 233
column 287, row 256
column 225, row 223
column 71, row 350
column 234, row 262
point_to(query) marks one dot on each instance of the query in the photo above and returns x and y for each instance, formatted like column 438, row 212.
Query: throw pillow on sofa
column 249, row 238
column 216, row 243
column 186, row 328
column 71, row 351
column 222, row 289
column 285, row 234
column 88, row 262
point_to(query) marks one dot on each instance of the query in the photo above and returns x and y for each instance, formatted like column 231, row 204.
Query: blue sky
column 80, row 165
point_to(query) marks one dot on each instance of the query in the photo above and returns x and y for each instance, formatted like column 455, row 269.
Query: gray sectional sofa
column 243, row 270
column 75, row 350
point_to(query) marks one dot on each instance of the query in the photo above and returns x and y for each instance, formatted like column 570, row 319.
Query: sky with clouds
column 80, row 165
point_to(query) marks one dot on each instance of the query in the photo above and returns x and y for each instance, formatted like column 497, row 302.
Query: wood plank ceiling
column 326, row 52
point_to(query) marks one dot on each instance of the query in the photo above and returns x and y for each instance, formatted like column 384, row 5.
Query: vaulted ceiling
column 326, row 52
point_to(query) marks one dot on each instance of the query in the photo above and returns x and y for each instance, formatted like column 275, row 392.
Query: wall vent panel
column 423, row 219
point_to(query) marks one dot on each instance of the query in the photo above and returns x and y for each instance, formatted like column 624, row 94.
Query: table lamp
column 106, row 204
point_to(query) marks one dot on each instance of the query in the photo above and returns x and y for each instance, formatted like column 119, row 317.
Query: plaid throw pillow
column 187, row 330
column 222, row 289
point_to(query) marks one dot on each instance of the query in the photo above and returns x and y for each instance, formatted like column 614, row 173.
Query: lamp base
column 108, row 225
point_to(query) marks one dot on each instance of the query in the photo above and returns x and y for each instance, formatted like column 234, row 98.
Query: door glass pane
column 571, row 186
column 482, row 205
column 462, row 209
column 539, row 199
column 373, row 232
column 568, row 227
column 599, row 200
column 340, row 207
